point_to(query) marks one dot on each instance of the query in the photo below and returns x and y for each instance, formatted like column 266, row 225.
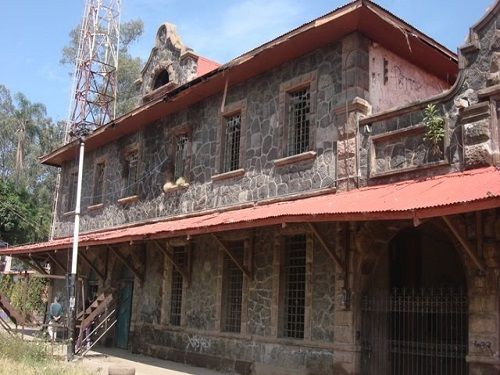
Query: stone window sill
column 305, row 156
column 227, row 175
column 95, row 207
column 127, row 200
column 174, row 188
column 393, row 172
column 69, row 213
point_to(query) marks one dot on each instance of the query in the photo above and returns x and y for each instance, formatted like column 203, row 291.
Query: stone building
column 288, row 213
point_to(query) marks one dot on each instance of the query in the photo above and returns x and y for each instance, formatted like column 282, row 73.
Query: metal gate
column 414, row 332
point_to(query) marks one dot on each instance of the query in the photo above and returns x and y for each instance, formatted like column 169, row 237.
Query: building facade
column 288, row 212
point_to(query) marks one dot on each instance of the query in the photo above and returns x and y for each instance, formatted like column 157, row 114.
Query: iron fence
column 414, row 332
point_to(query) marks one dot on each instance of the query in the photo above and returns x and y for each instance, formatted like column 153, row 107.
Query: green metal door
column 123, row 314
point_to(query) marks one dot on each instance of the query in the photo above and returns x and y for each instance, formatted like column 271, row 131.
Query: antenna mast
column 95, row 79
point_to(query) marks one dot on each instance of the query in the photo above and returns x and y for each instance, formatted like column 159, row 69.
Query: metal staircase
column 95, row 322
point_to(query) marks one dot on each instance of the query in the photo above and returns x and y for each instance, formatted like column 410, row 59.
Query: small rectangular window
column 232, row 143
column 98, row 183
column 72, row 187
column 181, row 147
column 131, row 173
column 298, row 121
column 176, row 286
column 294, row 268
column 232, row 288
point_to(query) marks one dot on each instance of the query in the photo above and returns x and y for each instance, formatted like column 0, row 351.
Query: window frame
column 278, row 319
column 102, row 161
column 229, row 269
column 72, row 176
column 230, row 110
column 288, row 88
column 183, row 130
column 127, row 192
column 176, row 278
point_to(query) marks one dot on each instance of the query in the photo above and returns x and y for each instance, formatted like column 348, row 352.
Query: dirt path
column 101, row 359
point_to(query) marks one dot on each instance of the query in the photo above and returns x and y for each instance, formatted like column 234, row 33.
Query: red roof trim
column 431, row 197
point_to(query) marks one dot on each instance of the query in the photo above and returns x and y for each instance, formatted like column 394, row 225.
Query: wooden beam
column 329, row 250
column 91, row 265
column 54, row 259
column 168, row 255
column 465, row 244
column 124, row 261
column 229, row 253
column 34, row 265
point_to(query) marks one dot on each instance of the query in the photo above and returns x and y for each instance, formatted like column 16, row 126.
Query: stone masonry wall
column 199, row 339
column 262, row 143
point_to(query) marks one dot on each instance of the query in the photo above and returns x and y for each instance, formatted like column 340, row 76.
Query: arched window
column 161, row 79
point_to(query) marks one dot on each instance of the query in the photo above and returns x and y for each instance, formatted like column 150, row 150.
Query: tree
column 129, row 68
column 26, row 186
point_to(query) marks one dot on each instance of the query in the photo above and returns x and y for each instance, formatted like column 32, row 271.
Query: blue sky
column 33, row 32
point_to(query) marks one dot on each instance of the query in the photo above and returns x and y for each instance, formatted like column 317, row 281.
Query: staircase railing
column 95, row 322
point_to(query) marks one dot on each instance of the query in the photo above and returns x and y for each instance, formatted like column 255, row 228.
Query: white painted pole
column 76, row 229
column 74, row 257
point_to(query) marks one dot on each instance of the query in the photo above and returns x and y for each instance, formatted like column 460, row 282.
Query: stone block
column 346, row 167
column 344, row 334
column 346, row 148
column 495, row 62
column 477, row 132
column 482, row 324
column 482, row 303
column 477, row 155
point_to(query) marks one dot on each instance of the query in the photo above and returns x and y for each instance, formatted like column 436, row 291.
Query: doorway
column 123, row 313
column 414, row 316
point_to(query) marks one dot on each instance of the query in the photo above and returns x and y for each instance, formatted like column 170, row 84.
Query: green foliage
column 27, row 295
column 434, row 128
column 129, row 68
column 26, row 186
column 33, row 358
column 23, row 216
column 6, row 285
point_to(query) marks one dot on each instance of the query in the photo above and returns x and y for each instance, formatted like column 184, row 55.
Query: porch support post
column 229, row 253
column 124, row 261
column 168, row 255
column 465, row 244
column 327, row 248
column 89, row 263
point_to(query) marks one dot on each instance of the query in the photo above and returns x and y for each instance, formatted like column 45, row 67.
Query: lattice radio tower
column 95, row 80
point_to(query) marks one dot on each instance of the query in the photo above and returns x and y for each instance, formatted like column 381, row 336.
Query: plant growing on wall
column 434, row 128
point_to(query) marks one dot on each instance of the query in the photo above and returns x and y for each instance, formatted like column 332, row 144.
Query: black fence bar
column 414, row 332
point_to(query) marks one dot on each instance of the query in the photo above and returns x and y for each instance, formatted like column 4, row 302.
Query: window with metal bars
column 299, row 107
column 180, row 156
column 232, row 289
column 232, row 143
column 72, row 185
column 131, row 173
column 176, row 286
column 294, row 268
column 98, row 183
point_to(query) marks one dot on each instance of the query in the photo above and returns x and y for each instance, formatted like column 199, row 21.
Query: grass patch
column 33, row 358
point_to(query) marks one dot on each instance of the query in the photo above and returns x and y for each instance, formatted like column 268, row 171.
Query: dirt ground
column 102, row 359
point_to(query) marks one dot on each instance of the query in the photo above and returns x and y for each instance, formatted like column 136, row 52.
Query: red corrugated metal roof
column 435, row 196
column 205, row 65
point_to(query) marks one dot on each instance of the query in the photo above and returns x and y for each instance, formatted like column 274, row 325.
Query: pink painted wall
column 395, row 82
